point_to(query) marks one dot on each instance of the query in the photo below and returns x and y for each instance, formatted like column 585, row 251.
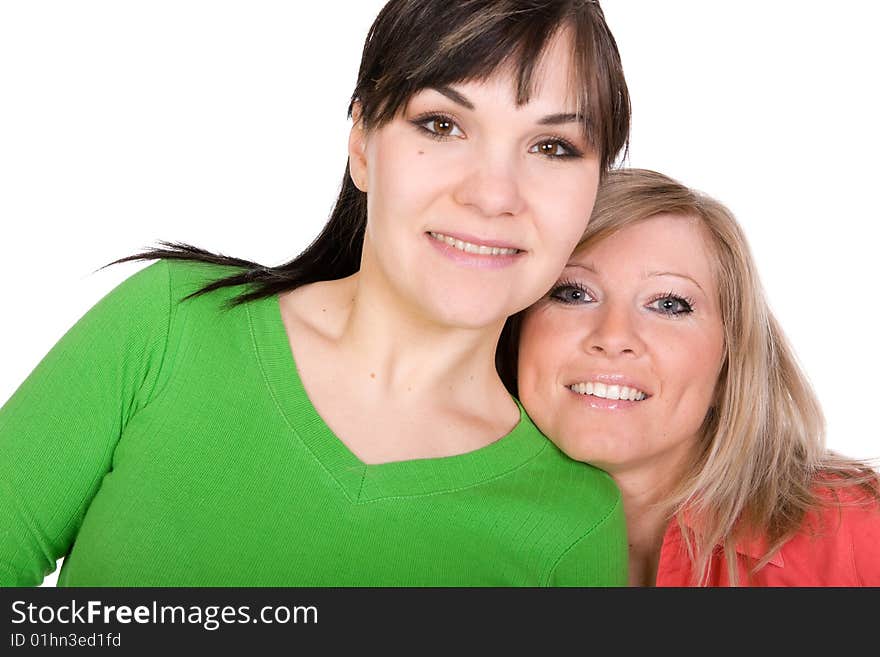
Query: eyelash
column 555, row 294
column 570, row 285
column 420, row 121
column 686, row 302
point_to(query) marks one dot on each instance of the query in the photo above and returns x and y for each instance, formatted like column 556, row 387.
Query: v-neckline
column 362, row 482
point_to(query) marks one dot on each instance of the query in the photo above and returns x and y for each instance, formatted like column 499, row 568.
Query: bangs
column 438, row 44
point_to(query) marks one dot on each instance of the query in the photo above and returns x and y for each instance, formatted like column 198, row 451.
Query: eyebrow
column 551, row 119
column 672, row 273
column 454, row 96
column 589, row 268
column 648, row 274
column 559, row 119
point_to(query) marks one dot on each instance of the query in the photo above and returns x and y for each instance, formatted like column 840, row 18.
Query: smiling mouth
column 603, row 391
column 474, row 249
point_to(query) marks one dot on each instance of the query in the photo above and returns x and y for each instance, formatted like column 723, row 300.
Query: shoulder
column 581, row 495
column 170, row 280
column 588, row 508
column 851, row 507
column 842, row 506
column 841, row 535
column 135, row 310
column 186, row 277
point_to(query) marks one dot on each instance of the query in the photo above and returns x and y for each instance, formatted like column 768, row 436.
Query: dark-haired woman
column 338, row 420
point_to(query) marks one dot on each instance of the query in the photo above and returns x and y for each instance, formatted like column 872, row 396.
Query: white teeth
column 477, row 249
column 603, row 391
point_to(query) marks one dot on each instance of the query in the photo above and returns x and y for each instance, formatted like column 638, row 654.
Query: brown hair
column 474, row 38
column 416, row 44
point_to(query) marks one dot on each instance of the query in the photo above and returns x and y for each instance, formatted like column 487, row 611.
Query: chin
column 603, row 453
column 469, row 318
column 460, row 307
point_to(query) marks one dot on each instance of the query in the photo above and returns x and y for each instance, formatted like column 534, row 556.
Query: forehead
column 555, row 73
column 552, row 82
column 663, row 243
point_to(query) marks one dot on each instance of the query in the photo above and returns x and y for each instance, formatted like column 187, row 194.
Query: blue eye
column 570, row 294
column 672, row 305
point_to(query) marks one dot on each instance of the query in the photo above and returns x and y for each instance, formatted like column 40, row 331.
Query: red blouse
column 836, row 546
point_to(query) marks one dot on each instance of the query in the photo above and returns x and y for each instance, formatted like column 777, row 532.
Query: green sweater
column 171, row 443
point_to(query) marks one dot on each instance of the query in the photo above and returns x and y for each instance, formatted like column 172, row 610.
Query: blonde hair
column 761, row 454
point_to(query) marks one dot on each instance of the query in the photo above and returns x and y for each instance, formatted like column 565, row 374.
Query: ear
column 357, row 148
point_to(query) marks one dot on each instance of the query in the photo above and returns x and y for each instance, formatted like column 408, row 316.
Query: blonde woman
column 655, row 357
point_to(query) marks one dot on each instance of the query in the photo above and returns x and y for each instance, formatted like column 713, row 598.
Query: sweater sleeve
column 599, row 558
column 59, row 429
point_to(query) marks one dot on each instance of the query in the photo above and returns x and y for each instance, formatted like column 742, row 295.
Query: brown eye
column 552, row 148
column 443, row 126
column 439, row 126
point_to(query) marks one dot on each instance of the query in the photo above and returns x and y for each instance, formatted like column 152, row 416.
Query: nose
column 615, row 333
column 491, row 186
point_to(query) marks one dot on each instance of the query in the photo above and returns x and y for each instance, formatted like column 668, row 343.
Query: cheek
column 402, row 176
column 689, row 367
column 536, row 353
column 563, row 211
column 532, row 341
column 545, row 348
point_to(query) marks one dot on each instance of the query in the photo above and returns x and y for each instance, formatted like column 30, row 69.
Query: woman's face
column 475, row 203
column 618, row 363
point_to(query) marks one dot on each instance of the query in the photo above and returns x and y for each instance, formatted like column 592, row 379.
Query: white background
column 223, row 124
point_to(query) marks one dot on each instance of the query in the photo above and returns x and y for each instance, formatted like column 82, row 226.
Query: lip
column 473, row 239
column 605, row 404
column 474, row 260
column 615, row 379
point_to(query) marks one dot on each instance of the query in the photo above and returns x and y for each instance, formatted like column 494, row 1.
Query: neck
column 406, row 355
column 647, row 519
